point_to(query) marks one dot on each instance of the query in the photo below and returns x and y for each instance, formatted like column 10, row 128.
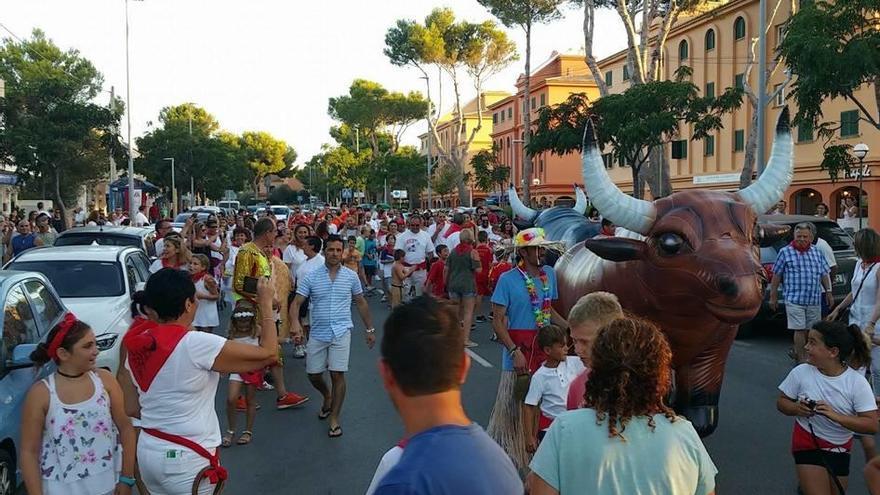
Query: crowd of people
column 581, row 405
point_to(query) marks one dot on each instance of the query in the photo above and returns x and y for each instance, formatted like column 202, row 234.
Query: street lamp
column 861, row 151
column 173, row 188
column 430, row 137
column 132, row 209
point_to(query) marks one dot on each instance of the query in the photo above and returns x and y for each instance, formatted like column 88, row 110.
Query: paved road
column 291, row 452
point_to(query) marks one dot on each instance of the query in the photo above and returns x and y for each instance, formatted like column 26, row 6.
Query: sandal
column 324, row 414
column 245, row 438
column 226, row 441
column 335, row 431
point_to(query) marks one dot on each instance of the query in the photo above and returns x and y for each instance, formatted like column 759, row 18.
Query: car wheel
column 7, row 473
column 747, row 330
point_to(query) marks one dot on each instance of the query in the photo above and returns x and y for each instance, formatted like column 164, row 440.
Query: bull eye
column 670, row 243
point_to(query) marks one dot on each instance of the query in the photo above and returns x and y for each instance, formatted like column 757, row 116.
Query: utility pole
column 192, row 182
column 110, row 195
column 430, row 136
column 132, row 209
column 762, row 84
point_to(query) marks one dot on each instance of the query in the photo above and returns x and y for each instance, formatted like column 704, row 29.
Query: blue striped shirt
column 801, row 275
column 330, row 301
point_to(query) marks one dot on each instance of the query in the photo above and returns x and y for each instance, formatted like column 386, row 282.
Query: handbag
column 843, row 315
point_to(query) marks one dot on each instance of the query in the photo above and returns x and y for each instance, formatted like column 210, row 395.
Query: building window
column 608, row 160
column 709, row 146
column 609, row 78
column 739, row 28
column 780, row 95
column 626, row 72
column 710, row 40
column 739, row 81
column 710, row 90
column 780, row 33
column 533, row 104
column 495, row 118
column 739, row 140
column 543, row 99
column 682, row 51
column 502, row 116
column 679, row 149
column 805, row 132
column 849, row 123
column 509, row 113
column 541, row 166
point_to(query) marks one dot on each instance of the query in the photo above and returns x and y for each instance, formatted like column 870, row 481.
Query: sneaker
column 265, row 386
column 384, row 299
column 491, row 317
column 290, row 400
column 473, row 326
column 299, row 351
column 480, row 319
column 241, row 405
column 470, row 343
column 493, row 338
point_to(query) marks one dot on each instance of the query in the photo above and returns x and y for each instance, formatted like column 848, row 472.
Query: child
column 370, row 263
column 830, row 401
column 242, row 328
column 386, row 259
column 351, row 258
column 435, row 283
column 399, row 273
column 72, row 419
column 482, row 277
column 207, row 293
column 869, row 445
column 549, row 386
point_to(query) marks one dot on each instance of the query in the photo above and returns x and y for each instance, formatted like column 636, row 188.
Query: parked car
column 181, row 218
column 96, row 283
column 280, row 212
column 106, row 235
column 844, row 253
column 31, row 307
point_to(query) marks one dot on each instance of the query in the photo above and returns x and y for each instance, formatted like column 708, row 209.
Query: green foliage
column 524, row 12
column 489, row 173
column 283, row 195
column 51, row 129
column 264, row 154
column 446, row 179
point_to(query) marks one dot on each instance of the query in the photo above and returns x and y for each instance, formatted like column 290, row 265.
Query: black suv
column 844, row 253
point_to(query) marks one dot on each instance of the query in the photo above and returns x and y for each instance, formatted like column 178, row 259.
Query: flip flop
column 245, row 438
column 324, row 414
column 335, row 431
column 226, row 441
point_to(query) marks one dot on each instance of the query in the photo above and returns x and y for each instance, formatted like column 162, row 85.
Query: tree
column 634, row 123
column 488, row 170
column 454, row 47
column 833, row 50
column 51, row 129
column 524, row 14
column 283, row 195
column 446, row 179
column 264, row 155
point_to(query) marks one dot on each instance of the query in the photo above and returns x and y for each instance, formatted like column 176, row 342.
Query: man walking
column 423, row 367
column 330, row 290
column 251, row 263
column 417, row 245
column 804, row 274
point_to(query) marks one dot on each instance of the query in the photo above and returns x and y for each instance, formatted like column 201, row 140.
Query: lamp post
column 132, row 209
column 173, row 188
column 861, row 151
column 430, row 135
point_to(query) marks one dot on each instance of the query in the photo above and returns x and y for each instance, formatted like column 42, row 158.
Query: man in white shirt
column 486, row 227
column 140, row 219
column 79, row 216
column 417, row 245
column 439, row 229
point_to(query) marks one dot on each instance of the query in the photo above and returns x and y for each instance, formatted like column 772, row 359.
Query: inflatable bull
column 689, row 262
column 560, row 223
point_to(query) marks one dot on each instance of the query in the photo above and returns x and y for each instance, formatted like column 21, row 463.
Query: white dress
column 206, row 314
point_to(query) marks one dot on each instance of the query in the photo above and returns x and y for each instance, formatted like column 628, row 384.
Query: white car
column 96, row 284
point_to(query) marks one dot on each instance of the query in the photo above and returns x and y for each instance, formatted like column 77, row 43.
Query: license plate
column 839, row 279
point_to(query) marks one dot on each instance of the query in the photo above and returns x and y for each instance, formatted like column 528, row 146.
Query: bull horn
column 519, row 209
column 771, row 185
column 625, row 211
column 580, row 204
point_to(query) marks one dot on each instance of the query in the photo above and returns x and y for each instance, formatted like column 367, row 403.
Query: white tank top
column 863, row 306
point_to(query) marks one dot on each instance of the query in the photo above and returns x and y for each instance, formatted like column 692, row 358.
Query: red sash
column 801, row 440
column 544, row 422
column 419, row 266
column 149, row 344
column 527, row 341
column 215, row 474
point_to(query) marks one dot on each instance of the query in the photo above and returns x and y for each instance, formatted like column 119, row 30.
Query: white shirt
column 331, row 227
column 160, row 247
column 452, row 241
column 79, row 218
column 180, row 400
column 826, row 251
column 417, row 246
column 140, row 219
column 441, row 237
column 493, row 237
column 308, row 266
column 848, row 393
column 388, row 461
column 549, row 386
column 293, row 257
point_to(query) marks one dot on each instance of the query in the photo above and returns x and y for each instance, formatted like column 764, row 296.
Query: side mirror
column 21, row 356
column 140, row 286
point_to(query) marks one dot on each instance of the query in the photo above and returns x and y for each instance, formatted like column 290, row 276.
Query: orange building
column 715, row 44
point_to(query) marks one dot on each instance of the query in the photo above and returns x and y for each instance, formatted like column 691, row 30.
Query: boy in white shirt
column 549, row 385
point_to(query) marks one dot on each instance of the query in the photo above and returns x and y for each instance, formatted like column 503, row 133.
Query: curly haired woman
column 626, row 440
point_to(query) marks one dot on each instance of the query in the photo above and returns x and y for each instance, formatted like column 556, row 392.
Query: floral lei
column 540, row 307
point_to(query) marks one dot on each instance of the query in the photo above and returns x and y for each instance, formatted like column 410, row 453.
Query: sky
column 267, row 65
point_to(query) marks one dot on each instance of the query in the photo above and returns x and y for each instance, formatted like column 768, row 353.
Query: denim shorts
column 461, row 295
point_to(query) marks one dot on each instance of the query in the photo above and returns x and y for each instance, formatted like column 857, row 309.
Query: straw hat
column 533, row 237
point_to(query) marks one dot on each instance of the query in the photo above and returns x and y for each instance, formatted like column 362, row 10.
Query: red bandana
column 167, row 264
column 453, row 228
column 463, row 248
column 198, row 276
column 797, row 247
column 149, row 344
column 875, row 259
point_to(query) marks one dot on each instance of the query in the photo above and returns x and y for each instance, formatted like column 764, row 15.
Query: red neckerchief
column 463, row 248
column 875, row 259
column 149, row 344
column 453, row 228
column 166, row 264
column 198, row 276
column 798, row 248
column 608, row 232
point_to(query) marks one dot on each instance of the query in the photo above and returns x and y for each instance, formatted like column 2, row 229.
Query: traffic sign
column 346, row 193
column 399, row 194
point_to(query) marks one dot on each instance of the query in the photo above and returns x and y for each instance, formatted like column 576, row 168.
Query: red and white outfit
column 549, row 388
column 417, row 248
column 172, row 371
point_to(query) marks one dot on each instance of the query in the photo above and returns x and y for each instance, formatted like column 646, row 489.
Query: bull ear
column 617, row 248
column 771, row 233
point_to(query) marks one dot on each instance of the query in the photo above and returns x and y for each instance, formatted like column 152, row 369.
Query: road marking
column 476, row 357
column 740, row 343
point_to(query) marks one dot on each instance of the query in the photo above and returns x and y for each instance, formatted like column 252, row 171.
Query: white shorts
column 802, row 317
column 235, row 377
column 161, row 475
column 321, row 356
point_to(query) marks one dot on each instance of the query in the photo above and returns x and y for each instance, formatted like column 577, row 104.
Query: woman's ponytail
column 40, row 355
column 861, row 351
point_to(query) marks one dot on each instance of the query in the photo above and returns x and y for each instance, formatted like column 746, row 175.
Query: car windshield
column 835, row 236
column 183, row 217
column 100, row 238
column 280, row 210
column 76, row 278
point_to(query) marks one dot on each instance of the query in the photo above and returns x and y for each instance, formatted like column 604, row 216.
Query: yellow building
column 715, row 44
column 482, row 141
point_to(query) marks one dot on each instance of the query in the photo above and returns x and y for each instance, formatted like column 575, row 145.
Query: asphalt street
column 291, row 452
